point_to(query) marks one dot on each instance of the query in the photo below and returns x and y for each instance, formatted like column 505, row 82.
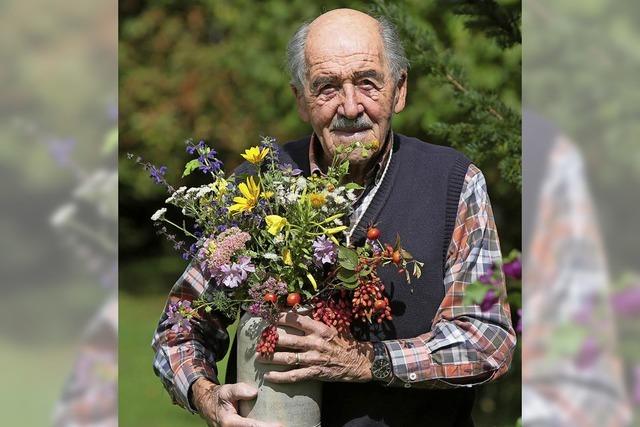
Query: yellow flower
column 267, row 194
column 251, row 192
column 317, row 200
column 286, row 257
column 255, row 155
column 275, row 223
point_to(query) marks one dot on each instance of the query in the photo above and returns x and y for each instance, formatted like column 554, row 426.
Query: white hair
column 393, row 51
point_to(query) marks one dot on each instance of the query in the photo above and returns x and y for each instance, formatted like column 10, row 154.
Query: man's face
column 349, row 94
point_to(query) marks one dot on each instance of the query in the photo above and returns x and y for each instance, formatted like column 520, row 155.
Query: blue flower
column 157, row 174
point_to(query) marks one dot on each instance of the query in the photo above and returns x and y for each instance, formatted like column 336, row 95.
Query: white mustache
column 359, row 123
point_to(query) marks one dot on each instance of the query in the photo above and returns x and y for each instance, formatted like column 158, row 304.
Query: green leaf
column 474, row 293
column 348, row 258
column 348, row 277
column 190, row 167
column 353, row 186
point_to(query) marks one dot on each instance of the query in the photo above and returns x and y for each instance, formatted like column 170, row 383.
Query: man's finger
column 235, row 420
column 295, row 342
column 239, row 391
column 295, row 375
column 305, row 323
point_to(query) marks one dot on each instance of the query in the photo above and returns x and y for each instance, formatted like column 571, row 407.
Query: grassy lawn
column 143, row 400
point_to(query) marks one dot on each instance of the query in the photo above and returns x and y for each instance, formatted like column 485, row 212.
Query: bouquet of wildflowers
column 276, row 240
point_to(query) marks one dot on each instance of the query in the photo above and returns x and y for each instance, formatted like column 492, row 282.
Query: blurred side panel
column 58, row 181
column 581, row 171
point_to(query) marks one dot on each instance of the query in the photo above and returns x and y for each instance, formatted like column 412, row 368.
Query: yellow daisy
column 251, row 192
column 255, row 155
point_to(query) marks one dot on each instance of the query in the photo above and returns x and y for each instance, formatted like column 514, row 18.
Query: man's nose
column 350, row 107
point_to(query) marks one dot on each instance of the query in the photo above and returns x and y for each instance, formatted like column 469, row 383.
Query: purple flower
column 179, row 314
column 235, row 274
column 519, row 324
column 375, row 246
column 288, row 169
column 588, row 354
column 513, row 269
column 489, row 300
column 487, row 278
column 324, row 251
column 627, row 301
column 157, row 174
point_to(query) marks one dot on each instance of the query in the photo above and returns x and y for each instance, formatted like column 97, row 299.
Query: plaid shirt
column 465, row 346
column 567, row 294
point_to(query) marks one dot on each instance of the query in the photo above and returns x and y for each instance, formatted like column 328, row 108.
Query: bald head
column 344, row 31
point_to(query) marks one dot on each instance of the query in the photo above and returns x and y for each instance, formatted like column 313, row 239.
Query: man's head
column 349, row 77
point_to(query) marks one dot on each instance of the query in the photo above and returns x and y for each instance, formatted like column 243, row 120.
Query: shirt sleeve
column 184, row 356
column 466, row 346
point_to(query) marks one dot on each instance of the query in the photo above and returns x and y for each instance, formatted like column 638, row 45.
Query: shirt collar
column 373, row 174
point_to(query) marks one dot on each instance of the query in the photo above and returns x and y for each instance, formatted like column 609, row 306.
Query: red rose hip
column 293, row 299
column 373, row 233
column 380, row 305
column 270, row 297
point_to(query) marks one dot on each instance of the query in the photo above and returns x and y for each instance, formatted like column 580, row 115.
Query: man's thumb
column 242, row 391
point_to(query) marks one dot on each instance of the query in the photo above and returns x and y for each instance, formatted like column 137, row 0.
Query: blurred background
column 214, row 70
column 58, row 159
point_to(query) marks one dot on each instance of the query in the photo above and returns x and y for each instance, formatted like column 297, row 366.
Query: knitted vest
column 418, row 201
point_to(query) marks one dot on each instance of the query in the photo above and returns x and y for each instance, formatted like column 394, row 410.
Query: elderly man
column 349, row 76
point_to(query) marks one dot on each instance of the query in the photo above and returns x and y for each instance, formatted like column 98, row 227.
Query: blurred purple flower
column 157, row 174
column 627, row 301
column 519, row 323
column 489, row 300
column 636, row 385
column 488, row 277
column 589, row 353
column 513, row 269
column 61, row 150
column 324, row 251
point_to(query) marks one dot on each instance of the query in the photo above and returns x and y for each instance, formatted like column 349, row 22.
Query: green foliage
column 485, row 127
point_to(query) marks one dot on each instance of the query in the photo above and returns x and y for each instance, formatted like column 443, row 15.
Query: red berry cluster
column 369, row 301
column 332, row 312
column 268, row 340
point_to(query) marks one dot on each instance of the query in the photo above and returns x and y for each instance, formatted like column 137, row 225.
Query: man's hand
column 321, row 353
column 218, row 404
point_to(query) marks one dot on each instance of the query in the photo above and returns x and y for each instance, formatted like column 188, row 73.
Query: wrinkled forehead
column 341, row 47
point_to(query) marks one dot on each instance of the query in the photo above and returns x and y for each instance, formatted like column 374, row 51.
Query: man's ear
column 301, row 104
column 401, row 93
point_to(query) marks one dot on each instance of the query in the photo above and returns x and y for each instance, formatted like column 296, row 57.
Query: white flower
column 270, row 256
column 63, row 214
column 292, row 197
column 337, row 221
column 340, row 200
column 351, row 195
column 203, row 191
column 159, row 214
column 301, row 182
column 278, row 239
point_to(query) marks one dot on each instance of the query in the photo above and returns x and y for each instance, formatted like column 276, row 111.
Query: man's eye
column 367, row 84
column 327, row 89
